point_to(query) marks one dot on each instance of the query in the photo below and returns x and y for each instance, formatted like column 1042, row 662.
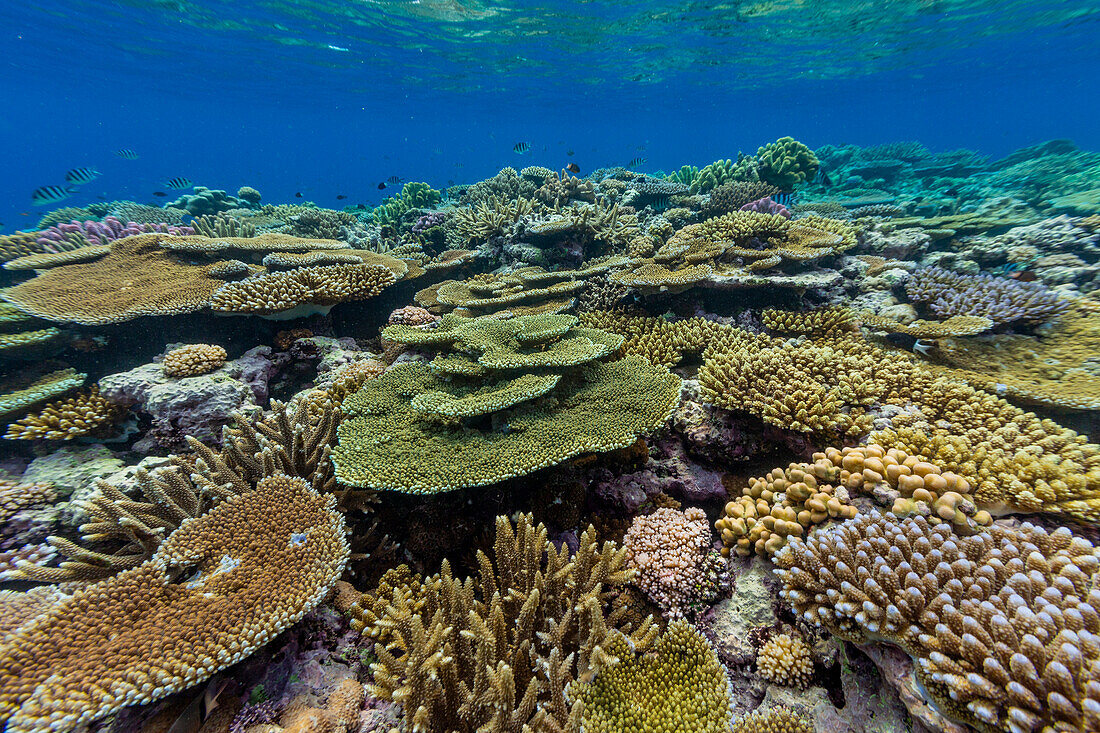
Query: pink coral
column 767, row 206
column 670, row 552
column 79, row 234
column 411, row 315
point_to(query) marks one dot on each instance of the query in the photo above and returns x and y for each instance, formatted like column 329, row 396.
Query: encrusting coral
column 193, row 359
column 1003, row 624
column 503, row 398
column 495, row 653
column 86, row 413
column 670, row 553
column 218, row 588
column 785, row 660
column 676, row 684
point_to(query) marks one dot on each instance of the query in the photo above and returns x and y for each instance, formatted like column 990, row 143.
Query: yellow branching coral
column 1003, row 624
column 505, row 398
column 678, row 684
column 783, row 504
column 18, row 245
column 774, row 720
column 953, row 326
column 490, row 218
column 785, row 660
column 193, row 359
column 87, row 413
column 821, row 322
column 656, row 340
column 822, row 386
column 496, row 652
column 218, row 588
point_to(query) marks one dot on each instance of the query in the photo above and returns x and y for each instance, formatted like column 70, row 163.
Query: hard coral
column 1000, row 299
column 503, row 399
column 785, row 660
column 219, row 587
column 193, row 359
column 677, row 684
column 84, row 414
column 1003, row 624
column 496, row 652
column 669, row 551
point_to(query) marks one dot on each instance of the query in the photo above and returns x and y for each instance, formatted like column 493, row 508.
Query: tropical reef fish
column 126, row 154
column 298, row 195
column 570, row 152
column 178, row 183
column 521, row 148
column 636, row 162
column 340, row 197
column 159, row 193
column 911, row 343
column 51, row 194
column 391, row 181
column 77, row 176
column 573, row 167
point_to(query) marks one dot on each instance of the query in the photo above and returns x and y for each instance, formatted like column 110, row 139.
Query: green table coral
column 504, row 398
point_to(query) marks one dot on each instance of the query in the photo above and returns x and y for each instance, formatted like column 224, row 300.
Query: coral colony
column 780, row 444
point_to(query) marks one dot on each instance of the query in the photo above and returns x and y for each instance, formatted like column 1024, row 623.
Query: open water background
column 328, row 97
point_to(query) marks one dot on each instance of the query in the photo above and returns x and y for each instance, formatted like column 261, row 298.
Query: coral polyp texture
column 1002, row 624
column 503, row 398
column 193, row 359
column 1000, row 299
column 84, row 414
column 219, row 587
column 676, row 684
column 670, row 553
column 785, row 660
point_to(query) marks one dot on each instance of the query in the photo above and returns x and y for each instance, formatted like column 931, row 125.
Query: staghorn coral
column 1002, row 300
column 1002, row 624
column 86, row 413
column 505, row 186
column 596, row 228
column 657, row 340
column 193, row 359
column 820, row 322
column 774, row 720
column 489, row 218
column 502, row 399
column 304, row 289
column 78, row 235
column 218, row 588
column 670, row 553
column 785, row 660
column 783, row 504
column 222, row 225
column 558, row 191
column 496, row 652
column 676, row 684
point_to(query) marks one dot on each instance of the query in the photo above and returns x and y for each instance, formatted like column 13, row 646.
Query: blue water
column 329, row 97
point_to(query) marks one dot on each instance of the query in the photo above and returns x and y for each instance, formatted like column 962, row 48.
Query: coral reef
column 785, row 660
column 87, row 413
column 1001, row 300
column 192, row 360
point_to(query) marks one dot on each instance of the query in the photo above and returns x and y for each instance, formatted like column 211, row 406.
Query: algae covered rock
column 503, row 398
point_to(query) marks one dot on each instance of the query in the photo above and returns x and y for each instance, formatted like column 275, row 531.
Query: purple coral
column 428, row 221
column 1000, row 299
column 62, row 237
column 767, row 206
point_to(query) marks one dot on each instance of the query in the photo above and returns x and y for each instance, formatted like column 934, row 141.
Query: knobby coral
column 193, row 359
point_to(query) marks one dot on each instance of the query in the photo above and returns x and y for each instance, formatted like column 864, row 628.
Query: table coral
column 314, row 288
column 496, row 652
column 503, row 399
column 669, row 551
column 1003, row 624
column 219, row 587
column 676, row 684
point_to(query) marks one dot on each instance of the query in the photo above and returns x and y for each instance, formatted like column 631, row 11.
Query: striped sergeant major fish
column 126, row 154
column 521, row 148
column 51, row 194
column 78, row 176
column 178, row 183
column 785, row 199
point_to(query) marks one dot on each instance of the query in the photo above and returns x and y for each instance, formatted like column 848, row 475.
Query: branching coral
column 193, row 359
column 784, row 163
column 821, row 322
column 307, row 288
column 677, row 684
column 503, row 399
column 670, row 553
column 1003, row 624
column 15, row 496
column 219, row 587
column 496, row 652
column 491, row 217
column 656, row 340
column 1000, row 299
column 785, row 660
column 953, row 326
column 86, row 413
column 774, row 720
column 33, row 385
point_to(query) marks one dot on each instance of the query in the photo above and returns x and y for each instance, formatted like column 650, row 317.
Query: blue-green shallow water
column 327, row 98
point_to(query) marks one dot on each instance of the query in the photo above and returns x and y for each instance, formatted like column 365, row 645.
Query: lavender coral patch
column 1000, row 299
column 77, row 234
